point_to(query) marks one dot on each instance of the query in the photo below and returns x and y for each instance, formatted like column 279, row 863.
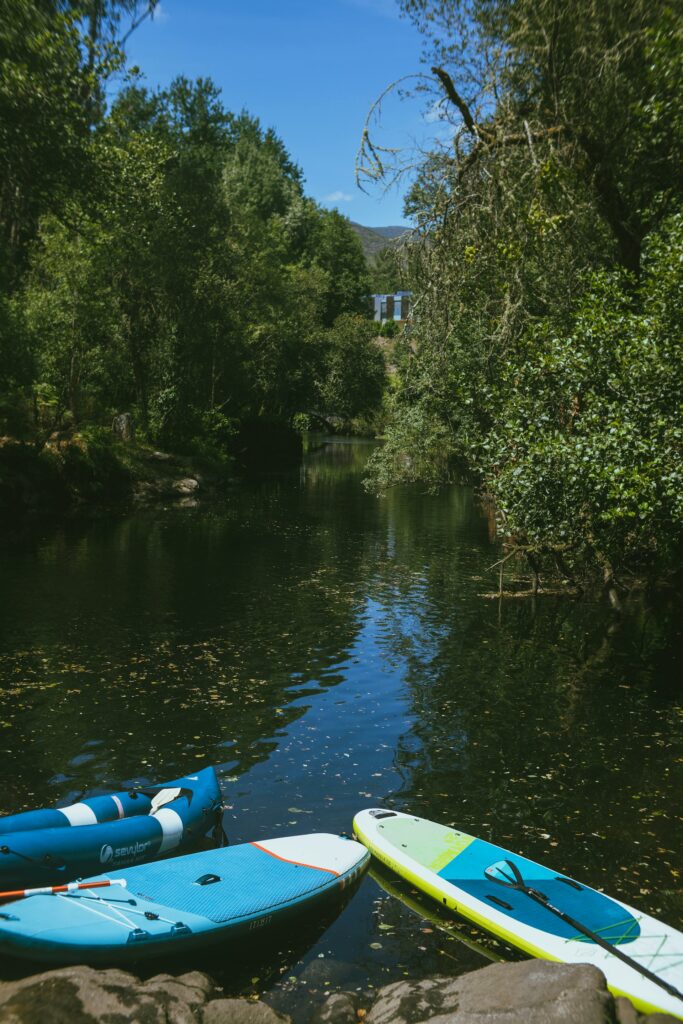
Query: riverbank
column 532, row 992
column 94, row 470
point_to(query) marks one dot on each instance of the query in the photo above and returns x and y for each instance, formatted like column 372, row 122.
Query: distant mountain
column 391, row 232
column 374, row 240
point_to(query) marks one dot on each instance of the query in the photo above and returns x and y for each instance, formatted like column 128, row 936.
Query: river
column 329, row 650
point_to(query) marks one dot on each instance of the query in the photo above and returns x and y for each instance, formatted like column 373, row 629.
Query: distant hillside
column 391, row 232
column 374, row 240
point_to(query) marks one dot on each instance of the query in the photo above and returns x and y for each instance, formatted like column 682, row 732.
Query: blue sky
column 308, row 68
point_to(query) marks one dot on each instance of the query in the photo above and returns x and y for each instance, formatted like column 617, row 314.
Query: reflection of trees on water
column 171, row 640
column 334, row 459
column 539, row 727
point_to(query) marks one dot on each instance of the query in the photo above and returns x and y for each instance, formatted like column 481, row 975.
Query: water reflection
column 329, row 650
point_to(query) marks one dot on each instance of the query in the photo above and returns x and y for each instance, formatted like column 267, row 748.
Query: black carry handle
column 506, row 872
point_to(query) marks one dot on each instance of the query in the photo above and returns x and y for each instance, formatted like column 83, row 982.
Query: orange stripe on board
column 300, row 863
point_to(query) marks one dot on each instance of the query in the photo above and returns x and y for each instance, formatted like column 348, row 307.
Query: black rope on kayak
column 46, row 862
column 515, row 881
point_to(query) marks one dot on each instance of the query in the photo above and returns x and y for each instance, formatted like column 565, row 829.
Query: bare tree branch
column 136, row 22
column 457, row 100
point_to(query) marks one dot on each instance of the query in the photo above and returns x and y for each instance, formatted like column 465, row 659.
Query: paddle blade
column 505, row 872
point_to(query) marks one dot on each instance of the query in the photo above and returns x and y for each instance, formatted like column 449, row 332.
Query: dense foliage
column 162, row 257
column 544, row 358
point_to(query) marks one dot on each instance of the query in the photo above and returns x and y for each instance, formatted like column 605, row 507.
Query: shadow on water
column 330, row 650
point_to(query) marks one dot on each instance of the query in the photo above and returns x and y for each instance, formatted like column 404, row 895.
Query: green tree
column 336, row 248
column 390, row 273
column 43, row 123
column 354, row 371
column 588, row 455
column 187, row 278
column 597, row 89
column 543, row 189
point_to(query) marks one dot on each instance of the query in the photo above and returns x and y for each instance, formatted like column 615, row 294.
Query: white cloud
column 338, row 197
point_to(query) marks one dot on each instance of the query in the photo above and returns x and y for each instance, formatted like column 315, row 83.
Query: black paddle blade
column 506, row 873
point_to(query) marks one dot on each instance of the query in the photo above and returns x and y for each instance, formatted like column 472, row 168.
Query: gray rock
column 326, row 970
column 188, row 485
column 83, row 995
column 532, row 992
column 240, row 1011
column 338, row 1008
column 625, row 1011
column 123, row 426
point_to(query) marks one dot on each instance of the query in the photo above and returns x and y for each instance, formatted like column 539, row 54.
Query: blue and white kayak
column 539, row 910
column 190, row 901
column 55, row 845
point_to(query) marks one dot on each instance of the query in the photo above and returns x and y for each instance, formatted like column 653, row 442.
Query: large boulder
column 83, row 995
column 338, row 1008
column 187, row 485
column 532, row 992
column 240, row 1011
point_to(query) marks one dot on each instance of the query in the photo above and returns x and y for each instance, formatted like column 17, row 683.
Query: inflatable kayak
column 532, row 907
column 54, row 845
column 178, row 904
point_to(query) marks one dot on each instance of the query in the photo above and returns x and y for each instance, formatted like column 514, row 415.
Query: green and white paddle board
column 455, row 869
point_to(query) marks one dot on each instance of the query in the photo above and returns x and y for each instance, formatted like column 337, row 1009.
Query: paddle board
column 450, row 866
column 182, row 903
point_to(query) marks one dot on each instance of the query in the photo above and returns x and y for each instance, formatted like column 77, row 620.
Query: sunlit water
column 328, row 650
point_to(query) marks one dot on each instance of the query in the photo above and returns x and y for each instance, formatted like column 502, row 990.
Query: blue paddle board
column 182, row 903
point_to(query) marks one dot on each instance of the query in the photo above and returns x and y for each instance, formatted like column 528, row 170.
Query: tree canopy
column 544, row 327
column 161, row 256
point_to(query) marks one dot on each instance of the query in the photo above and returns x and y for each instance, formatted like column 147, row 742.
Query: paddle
column 47, row 890
column 506, row 872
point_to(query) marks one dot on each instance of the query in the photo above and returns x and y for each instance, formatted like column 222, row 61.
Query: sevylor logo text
column 108, row 853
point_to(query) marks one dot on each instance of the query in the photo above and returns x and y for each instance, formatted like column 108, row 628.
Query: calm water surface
column 327, row 651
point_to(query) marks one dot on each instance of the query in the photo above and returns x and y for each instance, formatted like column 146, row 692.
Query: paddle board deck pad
column 449, row 866
column 56, row 845
column 182, row 903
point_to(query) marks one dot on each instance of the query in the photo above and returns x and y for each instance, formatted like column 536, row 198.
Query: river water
column 329, row 650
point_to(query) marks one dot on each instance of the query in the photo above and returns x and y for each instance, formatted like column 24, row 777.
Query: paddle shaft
column 542, row 900
column 614, row 950
column 53, row 890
